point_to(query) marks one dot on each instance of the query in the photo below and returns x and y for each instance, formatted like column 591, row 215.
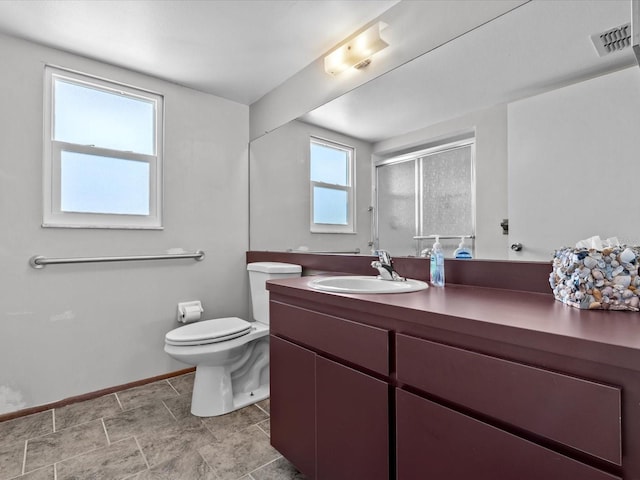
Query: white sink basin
column 362, row 284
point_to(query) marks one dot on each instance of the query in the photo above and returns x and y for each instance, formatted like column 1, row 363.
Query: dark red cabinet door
column 435, row 442
column 352, row 424
column 582, row 414
column 293, row 403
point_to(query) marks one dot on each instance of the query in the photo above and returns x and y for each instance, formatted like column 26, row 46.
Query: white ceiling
column 242, row 49
column 536, row 47
column 235, row 49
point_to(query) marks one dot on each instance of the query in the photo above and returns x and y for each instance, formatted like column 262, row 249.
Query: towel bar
column 38, row 261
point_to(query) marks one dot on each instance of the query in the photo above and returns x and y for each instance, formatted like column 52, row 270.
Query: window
column 102, row 155
column 332, row 189
column 425, row 193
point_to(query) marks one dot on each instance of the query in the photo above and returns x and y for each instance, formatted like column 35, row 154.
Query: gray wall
column 280, row 192
column 573, row 165
column 72, row 329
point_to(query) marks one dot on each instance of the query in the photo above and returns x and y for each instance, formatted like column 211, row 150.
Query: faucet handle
column 386, row 272
column 384, row 256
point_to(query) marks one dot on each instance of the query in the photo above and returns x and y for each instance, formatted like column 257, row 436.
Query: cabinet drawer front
column 360, row 344
column 581, row 414
column 436, row 442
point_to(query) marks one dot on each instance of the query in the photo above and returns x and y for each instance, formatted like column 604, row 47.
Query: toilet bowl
column 231, row 355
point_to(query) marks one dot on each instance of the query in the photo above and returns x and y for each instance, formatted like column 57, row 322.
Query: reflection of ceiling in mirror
column 536, row 47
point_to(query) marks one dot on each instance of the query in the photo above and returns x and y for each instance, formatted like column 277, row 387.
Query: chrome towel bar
column 442, row 237
column 355, row 251
column 38, row 261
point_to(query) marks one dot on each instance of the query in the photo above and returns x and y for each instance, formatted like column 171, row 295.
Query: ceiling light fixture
column 357, row 52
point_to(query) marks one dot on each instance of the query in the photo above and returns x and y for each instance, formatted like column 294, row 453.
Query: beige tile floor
column 143, row 433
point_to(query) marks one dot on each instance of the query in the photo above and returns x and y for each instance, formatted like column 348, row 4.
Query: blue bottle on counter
column 462, row 251
column 437, row 264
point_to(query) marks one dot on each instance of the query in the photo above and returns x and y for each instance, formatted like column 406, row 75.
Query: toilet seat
column 208, row 331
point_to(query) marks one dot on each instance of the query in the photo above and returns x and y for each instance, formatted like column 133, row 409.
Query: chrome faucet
column 384, row 264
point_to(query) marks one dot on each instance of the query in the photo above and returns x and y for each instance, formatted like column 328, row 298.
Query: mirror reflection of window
column 332, row 190
column 426, row 193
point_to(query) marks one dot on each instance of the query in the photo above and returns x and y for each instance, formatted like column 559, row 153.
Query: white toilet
column 231, row 355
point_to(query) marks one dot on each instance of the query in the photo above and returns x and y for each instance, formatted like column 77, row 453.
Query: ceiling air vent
column 612, row 40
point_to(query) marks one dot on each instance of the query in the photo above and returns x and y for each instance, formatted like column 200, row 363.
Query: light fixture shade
column 357, row 51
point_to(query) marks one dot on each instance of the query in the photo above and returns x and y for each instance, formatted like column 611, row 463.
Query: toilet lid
column 209, row 331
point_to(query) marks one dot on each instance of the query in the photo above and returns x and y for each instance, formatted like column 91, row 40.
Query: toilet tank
column 259, row 273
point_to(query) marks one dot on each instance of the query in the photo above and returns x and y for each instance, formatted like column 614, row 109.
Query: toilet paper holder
column 189, row 311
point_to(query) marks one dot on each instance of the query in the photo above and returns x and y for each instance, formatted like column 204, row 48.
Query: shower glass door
column 426, row 193
column 396, row 207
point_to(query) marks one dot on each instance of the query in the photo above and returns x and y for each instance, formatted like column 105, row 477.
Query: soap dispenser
column 437, row 264
column 462, row 251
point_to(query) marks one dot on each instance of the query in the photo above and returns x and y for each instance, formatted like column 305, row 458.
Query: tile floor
column 143, row 433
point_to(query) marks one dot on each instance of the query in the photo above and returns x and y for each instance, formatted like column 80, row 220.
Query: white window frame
column 350, row 227
column 53, row 216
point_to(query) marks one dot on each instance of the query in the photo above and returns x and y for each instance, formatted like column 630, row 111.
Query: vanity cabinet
column 329, row 412
column 471, row 415
column 481, row 383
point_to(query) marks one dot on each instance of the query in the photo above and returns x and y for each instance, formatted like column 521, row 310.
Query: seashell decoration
column 592, row 279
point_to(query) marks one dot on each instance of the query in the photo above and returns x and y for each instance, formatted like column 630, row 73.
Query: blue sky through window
column 86, row 115
column 330, row 206
column 329, row 165
column 95, row 184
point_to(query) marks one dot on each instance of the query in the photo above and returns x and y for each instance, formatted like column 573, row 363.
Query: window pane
column 330, row 206
column 397, row 207
column 329, row 165
column 94, row 184
column 447, row 188
column 86, row 115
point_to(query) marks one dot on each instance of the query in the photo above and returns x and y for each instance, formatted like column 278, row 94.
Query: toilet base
column 213, row 394
column 221, row 389
column 243, row 399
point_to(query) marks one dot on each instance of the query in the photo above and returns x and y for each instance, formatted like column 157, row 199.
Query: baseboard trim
column 91, row 395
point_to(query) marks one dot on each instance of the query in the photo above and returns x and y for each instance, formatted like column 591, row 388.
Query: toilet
column 231, row 355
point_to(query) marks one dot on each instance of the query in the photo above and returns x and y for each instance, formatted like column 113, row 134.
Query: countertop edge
column 521, row 319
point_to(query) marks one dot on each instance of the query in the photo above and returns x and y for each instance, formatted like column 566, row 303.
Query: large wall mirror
column 554, row 129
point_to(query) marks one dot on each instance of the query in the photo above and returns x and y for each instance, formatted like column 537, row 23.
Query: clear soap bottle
column 437, row 264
